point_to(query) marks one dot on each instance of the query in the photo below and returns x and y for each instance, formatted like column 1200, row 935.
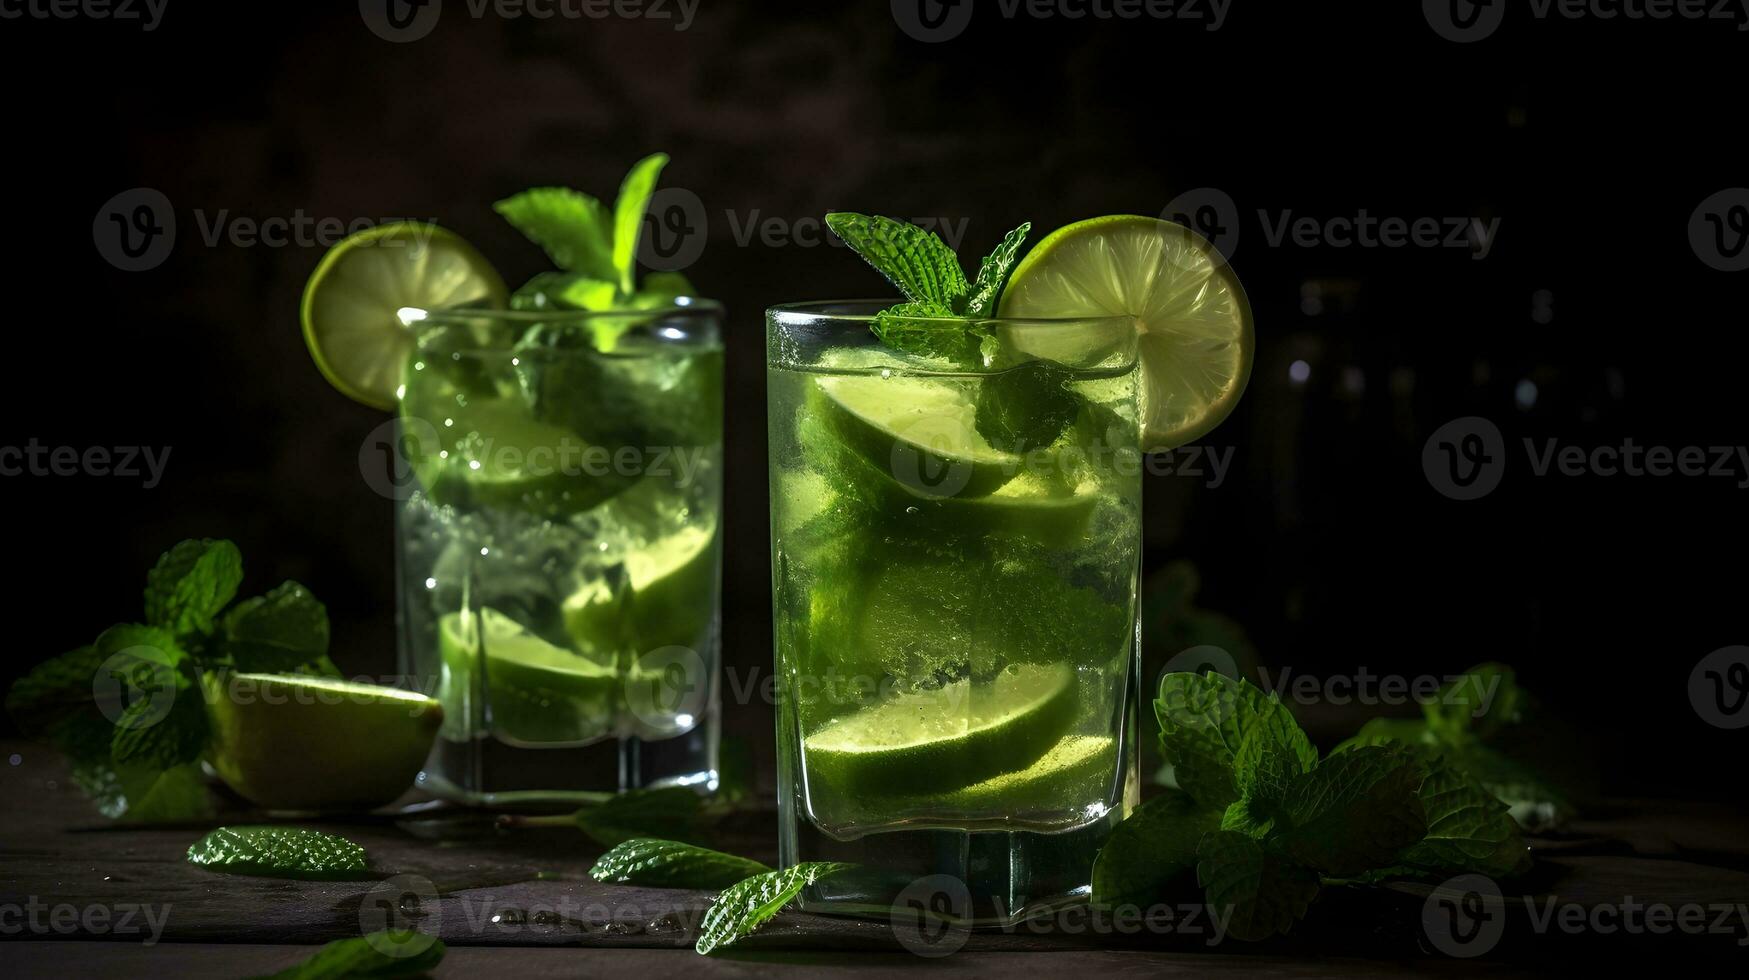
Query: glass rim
column 410, row 316
column 815, row 312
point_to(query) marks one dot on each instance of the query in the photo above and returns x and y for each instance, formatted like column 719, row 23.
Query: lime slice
column 295, row 742
column 953, row 736
column 537, row 692
column 672, row 583
column 918, row 431
column 1196, row 341
column 351, row 302
column 493, row 453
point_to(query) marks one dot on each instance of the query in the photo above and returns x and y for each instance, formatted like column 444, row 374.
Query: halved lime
column 537, row 692
column 296, row 742
column 921, row 432
column 949, row 737
column 1196, row 341
column 351, row 302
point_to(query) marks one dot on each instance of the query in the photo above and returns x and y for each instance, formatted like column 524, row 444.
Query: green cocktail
column 956, row 528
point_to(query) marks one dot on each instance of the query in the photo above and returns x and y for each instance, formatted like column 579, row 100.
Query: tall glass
column 559, row 548
column 955, row 557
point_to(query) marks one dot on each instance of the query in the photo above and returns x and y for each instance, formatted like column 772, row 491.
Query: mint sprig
column 744, row 907
column 672, row 864
column 1265, row 823
column 595, row 248
column 938, row 317
column 143, row 763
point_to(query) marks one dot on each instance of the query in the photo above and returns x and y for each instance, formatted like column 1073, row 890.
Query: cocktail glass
column 558, row 544
column 955, row 558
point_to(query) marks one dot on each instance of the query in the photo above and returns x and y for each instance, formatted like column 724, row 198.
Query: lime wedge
column 672, row 587
column 1196, row 341
column 1076, row 771
column 351, row 302
column 918, row 431
column 295, row 742
column 943, row 739
column 537, row 692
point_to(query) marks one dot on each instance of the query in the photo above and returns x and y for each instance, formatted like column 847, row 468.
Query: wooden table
column 79, row 897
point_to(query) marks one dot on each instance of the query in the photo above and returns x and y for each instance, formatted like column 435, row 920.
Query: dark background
column 1592, row 141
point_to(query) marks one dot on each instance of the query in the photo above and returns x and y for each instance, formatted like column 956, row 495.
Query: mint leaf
column 1027, row 407
column 744, row 907
column 1203, row 721
column 53, row 692
column 280, row 852
column 142, row 794
column 1532, row 799
column 275, row 633
column 149, row 736
column 913, row 259
column 573, row 228
column 1261, row 893
column 1154, row 848
column 1355, row 811
column 1468, row 830
column 1411, row 733
column 672, row 864
column 565, row 291
column 628, row 217
column 980, row 300
column 927, row 329
column 669, row 812
column 191, row 583
column 1477, row 704
column 415, row 954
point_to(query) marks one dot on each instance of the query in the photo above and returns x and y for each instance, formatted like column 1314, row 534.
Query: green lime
column 352, row 301
column 920, row 432
column 491, row 452
column 672, row 589
column 949, row 737
column 1078, row 770
column 537, row 692
column 1196, row 343
column 296, row 742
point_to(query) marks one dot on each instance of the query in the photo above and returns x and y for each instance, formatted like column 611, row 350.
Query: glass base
column 490, row 772
column 975, row 879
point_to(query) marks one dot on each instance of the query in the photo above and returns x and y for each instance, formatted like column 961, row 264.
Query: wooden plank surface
column 73, row 877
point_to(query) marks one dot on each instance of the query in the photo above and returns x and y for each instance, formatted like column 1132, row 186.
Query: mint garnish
column 367, row 956
column 672, row 864
column 143, row 764
column 938, row 317
column 595, row 249
column 744, row 907
column 1266, row 823
column 280, row 852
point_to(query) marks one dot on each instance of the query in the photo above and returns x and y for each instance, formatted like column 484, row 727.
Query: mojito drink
column 559, row 549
